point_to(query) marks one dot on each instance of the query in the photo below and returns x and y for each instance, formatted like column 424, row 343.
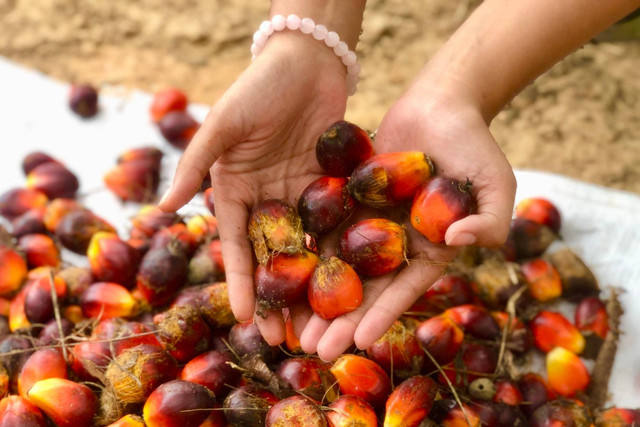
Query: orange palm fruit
column 342, row 147
column 19, row 411
column 165, row 101
column 18, row 201
column 212, row 370
column 17, row 316
column 362, row 377
column 562, row 413
column 215, row 307
column 349, row 410
column 40, row 250
column 67, row 403
column 141, row 153
column 566, row 373
column 176, row 235
column 398, row 351
column 57, row 209
column 275, row 227
column 441, row 337
column 54, row 180
column 474, row 320
column 130, row 420
column 13, row 270
column 334, row 289
column 310, row 377
column 134, row 180
column 202, row 227
column 112, row 259
column 452, row 415
column 388, row 179
column 103, row 300
column 551, row 329
column 295, row 411
column 507, row 391
column 182, row 332
column 439, row 203
column 373, row 247
column 42, row 364
column 618, row 417
column 150, row 219
column 543, row 280
column 539, row 210
column 178, row 403
column 410, row 402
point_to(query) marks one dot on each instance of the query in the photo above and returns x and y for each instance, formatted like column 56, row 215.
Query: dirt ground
column 581, row 119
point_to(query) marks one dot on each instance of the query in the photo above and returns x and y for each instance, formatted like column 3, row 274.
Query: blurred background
column 581, row 119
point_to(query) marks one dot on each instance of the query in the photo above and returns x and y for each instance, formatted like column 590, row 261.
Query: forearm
column 506, row 44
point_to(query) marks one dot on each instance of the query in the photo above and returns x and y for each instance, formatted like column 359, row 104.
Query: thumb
column 207, row 145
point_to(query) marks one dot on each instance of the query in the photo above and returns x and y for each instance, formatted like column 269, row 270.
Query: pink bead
column 279, row 22
column 341, row 48
column 293, row 22
column 332, row 39
column 266, row 28
column 354, row 69
column 320, row 32
column 260, row 38
column 307, row 25
column 255, row 50
column 349, row 58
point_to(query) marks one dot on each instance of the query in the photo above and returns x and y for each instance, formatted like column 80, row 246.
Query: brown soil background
column 581, row 119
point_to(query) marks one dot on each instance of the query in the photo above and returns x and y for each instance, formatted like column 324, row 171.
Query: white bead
column 332, row 39
column 255, row 50
column 341, row 48
column 320, row 32
column 354, row 69
column 293, row 22
column 279, row 22
column 260, row 38
column 349, row 58
column 266, row 28
column 307, row 25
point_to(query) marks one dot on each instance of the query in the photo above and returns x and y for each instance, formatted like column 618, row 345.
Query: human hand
column 260, row 138
column 458, row 140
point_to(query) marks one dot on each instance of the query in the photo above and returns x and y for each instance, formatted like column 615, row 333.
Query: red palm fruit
column 75, row 230
column 177, row 235
column 447, row 413
column 507, row 392
column 14, row 352
column 283, row 281
column 77, row 279
column 137, row 371
column 42, row 364
column 58, row 209
column 274, row 226
column 73, row 313
column 165, row 101
column 67, row 403
column 245, row 338
column 398, row 352
column 112, row 259
column 291, row 340
column 38, row 301
column 539, row 210
column 410, row 402
column 519, row 338
column 54, row 180
column 17, row 317
column 177, row 128
column 439, row 203
column 50, row 334
column 182, row 332
column 578, row 280
column 13, row 270
column 207, row 265
column 18, row 411
column 530, row 239
column 324, row 205
column 448, row 291
column 310, row 377
column 203, row 228
column 34, row 159
column 40, row 250
column 215, row 419
column 591, row 315
column 362, row 377
column 295, row 411
column 561, row 413
column 88, row 358
column 135, row 180
column 212, row 370
column 178, row 403
column 551, row 329
column 208, row 200
column 543, row 280
column 83, row 100
column 17, row 201
column 103, row 300
column 141, row 153
column 140, row 244
column 5, row 304
column 566, row 373
column 248, row 406
column 342, row 147
column 441, row 337
column 132, row 334
column 334, row 288
column 349, row 410
column 215, row 307
column 389, row 179
column 130, row 420
column 617, row 417
column 474, row 320
column 477, row 361
column 150, row 219
column 30, row 222
column 161, row 274
column 373, row 247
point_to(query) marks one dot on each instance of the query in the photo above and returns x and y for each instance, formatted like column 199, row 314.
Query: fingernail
column 462, row 239
column 165, row 196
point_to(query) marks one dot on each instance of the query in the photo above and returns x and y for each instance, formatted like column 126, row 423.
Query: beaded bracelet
column 319, row 32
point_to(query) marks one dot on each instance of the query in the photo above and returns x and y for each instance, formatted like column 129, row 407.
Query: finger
column 490, row 225
column 236, row 255
column 207, row 145
column 312, row 333
column 338, row 336
column 271, row 325
column 300, row 315
column 407, row 286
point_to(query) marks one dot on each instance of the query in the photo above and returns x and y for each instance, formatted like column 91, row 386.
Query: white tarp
column 600, row 224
